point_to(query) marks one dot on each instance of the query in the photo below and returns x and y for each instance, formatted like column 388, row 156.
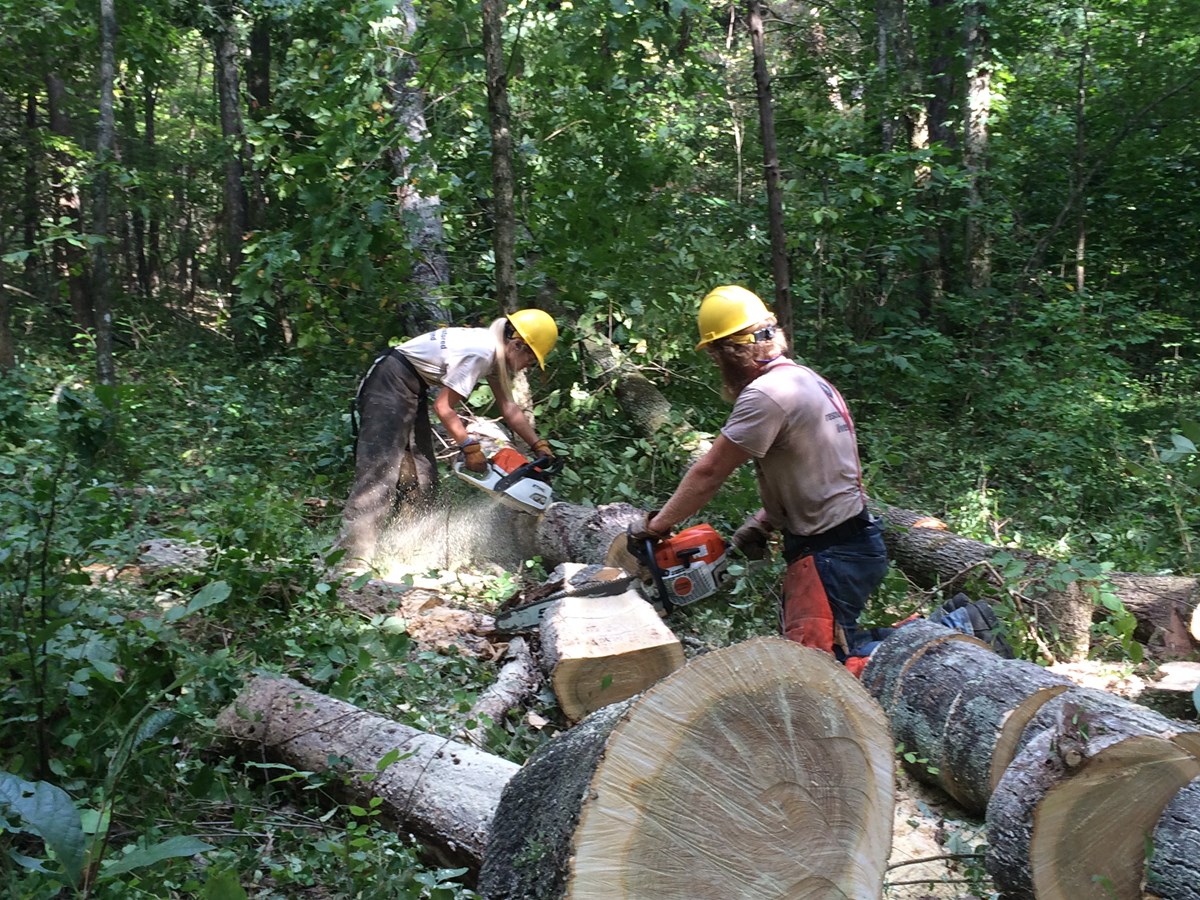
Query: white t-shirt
column 456, row 358
column 796, row 426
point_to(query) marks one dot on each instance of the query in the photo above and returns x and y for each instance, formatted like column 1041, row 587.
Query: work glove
column 542, row 448
column 473, row 457
column 751, row 539
column 642, row 532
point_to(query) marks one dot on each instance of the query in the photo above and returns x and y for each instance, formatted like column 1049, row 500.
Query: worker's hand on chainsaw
column 752, row 538
column 473, row 457
column 543, row 448
column 644, row 532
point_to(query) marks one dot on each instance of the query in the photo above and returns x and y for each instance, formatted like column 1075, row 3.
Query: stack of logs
column 1085, row 793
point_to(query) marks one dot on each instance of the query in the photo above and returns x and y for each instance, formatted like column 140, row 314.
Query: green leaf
column 49, row 813
column 209, row 595
column 223, row 885
column 171, row 848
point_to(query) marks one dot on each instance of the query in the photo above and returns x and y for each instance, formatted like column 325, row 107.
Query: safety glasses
column 756, row 337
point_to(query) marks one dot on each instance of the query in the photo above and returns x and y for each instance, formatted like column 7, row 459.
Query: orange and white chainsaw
column 670, row 572
column 677, row 570
column 517, row 482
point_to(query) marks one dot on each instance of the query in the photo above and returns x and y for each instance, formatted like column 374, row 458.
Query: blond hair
column 740, row 364
column 500, row 331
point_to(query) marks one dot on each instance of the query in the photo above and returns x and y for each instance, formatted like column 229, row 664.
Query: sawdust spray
column 469, row 534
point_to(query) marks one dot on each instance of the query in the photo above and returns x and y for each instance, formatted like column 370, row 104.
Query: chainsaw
column 679, row 569
column 517, row 482
column 672, row 571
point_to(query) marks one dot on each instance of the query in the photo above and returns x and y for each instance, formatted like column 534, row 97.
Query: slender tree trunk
column 1080, row 160
column 154, row 248
column 236, row 208
column 70, row 260
column 939, row 105
column 766, row 117
column 30, row 208
column 421, row 211
column 975, row 140
column 503, row 216
column 106, row 372
column 8, row 356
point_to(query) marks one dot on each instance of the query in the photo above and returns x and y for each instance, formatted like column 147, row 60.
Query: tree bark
column 975, row 140
column 1165, row 606
column 226, row 73
column 444, row 791
column 106, row 371
column 1076, row 809
column 420, row 210
column 504, row 222
column 766, row 118
column 1174, row 869
column 583, row 534
column 762, row 768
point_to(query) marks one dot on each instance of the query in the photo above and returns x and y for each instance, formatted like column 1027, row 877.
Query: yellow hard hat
column 726, row 310
column 537, row 329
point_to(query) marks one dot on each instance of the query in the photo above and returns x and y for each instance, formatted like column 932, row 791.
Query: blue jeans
column 849, row 572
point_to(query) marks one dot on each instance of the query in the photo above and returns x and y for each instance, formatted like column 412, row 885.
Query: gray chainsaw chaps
column 394, row 459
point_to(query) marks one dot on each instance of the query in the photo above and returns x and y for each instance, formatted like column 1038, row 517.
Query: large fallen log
column 1165, row 607
column 1075, row 811
column 441, row 790
column 761, row 770
column 955, row 706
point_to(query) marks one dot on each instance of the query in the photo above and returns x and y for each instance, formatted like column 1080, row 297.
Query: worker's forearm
column 697, row 488
column 453, row 424
column 515, row 417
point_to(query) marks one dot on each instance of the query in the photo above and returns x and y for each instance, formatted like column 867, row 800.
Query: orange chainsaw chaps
column 807, row 615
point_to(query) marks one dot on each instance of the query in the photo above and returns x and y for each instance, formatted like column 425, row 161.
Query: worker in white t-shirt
column 796, row 428
column 393, row 416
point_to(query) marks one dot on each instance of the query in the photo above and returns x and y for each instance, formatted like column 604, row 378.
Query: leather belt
column 798, row 545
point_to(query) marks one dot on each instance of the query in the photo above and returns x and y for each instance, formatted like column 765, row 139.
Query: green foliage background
column 1026, row 412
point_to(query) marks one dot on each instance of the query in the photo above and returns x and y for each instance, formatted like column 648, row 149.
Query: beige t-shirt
column 796, row 426
column 456, row 358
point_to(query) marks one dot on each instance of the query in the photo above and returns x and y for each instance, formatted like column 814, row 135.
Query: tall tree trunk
column 70, row 260
column 154, row 248
column 106, row 372
column 1080, row 160
column 421, row 211
column 975, row 140
column 136, row 158
column 30, row 208
column 504, row 233
column 940, row 93
column 226, row 74
column 8, row 356
column 766, row 117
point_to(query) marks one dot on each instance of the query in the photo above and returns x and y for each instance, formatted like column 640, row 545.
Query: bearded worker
column 795, row 426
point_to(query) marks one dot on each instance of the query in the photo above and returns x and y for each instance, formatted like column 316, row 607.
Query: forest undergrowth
column 116, row 671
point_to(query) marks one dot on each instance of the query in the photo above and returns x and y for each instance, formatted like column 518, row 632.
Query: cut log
column 984, row 725
column 441, row 790
column 1074, row 811
column 763, row 769
column 1174, row 869
column 1166, row 608
column 600, row 650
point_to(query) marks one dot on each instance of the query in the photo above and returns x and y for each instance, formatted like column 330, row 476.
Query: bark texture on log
column 903, row 649
column 761, row 770
column 601, row 650
column 1102, row 711
column 1174, row 869
column 441, row 790
column 1167, row 608
column 1073, row 812
column 984, row 724
column 582, row 534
